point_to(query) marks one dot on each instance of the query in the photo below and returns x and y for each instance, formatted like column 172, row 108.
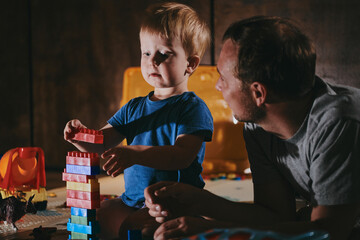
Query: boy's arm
column 111, row 138
column 174, row 157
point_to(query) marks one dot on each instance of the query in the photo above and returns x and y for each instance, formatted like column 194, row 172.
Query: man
column 302, row 136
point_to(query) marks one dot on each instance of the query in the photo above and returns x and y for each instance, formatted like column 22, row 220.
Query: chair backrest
column 226, row 153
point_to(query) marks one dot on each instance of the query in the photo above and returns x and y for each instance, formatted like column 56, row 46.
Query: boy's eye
column 164, row 54
column 146, row 54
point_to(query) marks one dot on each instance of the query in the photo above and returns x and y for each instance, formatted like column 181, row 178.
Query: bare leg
column 111, row 215
column 139, row 220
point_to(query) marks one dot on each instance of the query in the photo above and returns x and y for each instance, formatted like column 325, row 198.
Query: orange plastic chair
column 226, row 153
column 22, row 166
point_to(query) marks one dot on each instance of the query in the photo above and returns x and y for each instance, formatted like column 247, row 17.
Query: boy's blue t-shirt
column 158, row 123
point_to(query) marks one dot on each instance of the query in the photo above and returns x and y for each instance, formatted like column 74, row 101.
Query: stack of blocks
column 82, row 187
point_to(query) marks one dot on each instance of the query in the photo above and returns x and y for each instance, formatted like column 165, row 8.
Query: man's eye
column 146, row 54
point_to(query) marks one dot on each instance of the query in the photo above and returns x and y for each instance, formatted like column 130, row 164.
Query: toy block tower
column 82, row 187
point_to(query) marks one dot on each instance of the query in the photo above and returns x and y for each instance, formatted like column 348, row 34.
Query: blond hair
column 172, row 20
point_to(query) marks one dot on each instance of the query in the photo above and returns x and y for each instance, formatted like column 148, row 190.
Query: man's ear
column 259, row 93
column 193, row 63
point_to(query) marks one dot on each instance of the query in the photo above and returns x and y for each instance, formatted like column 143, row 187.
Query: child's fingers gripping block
column 89, row 135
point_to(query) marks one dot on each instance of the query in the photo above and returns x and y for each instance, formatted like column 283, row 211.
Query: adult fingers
column 150, row 191
column 169, row 230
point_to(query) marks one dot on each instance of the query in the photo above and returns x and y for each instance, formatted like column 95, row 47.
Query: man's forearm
column 221, row 209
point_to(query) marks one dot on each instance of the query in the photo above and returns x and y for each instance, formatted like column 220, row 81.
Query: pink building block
column 89, row 135
column 83, row 158
column 90, row 196
column 72, row 177
column 88, row 204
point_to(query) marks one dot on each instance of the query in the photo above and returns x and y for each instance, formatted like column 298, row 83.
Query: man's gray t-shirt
column 322, row 160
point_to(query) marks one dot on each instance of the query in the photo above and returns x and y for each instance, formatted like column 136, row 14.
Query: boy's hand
column 117, row 159
column 71, row 128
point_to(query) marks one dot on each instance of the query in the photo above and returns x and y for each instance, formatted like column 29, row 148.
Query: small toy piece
column 12, row 209
column 41, row 233
column 89, row 135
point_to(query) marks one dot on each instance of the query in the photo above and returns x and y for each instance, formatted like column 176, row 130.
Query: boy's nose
column 153, row 62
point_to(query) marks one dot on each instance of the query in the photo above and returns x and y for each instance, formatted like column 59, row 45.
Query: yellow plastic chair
column 226, row 153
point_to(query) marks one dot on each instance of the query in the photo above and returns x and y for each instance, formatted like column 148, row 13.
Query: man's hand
column 182, row 227
column 167, row 200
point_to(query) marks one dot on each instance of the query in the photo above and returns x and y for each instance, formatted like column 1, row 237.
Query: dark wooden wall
column 64, row 59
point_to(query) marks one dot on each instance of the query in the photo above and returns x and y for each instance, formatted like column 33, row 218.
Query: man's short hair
column 172, row 20
column 274, row 51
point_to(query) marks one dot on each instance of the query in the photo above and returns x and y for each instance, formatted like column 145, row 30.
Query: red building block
column 90, row 196
column 72, row 177
column 72, row 202
column 83, row 158
column 89, row 135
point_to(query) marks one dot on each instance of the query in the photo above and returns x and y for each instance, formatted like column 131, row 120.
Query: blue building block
column 134, row 235
column 85, row 170
column 91, row 229
column 82, row 212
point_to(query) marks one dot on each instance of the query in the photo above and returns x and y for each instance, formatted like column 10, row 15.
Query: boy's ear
column 193, row 63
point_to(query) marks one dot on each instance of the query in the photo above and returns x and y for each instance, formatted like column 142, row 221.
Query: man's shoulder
column 336, row 102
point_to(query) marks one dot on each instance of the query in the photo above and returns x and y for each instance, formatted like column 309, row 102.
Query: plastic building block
column 91, row 213
column 85, row 170
column 73, row 202
column 89, row 135
column 83, row 159
column 82, row 220
column 71, row 177
column 92, row 186
column 76, row 235
column 134, row 235
column 82, row 195
column 91, row 229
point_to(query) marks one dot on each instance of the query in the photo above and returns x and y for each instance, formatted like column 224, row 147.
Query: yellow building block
column 92, row 186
